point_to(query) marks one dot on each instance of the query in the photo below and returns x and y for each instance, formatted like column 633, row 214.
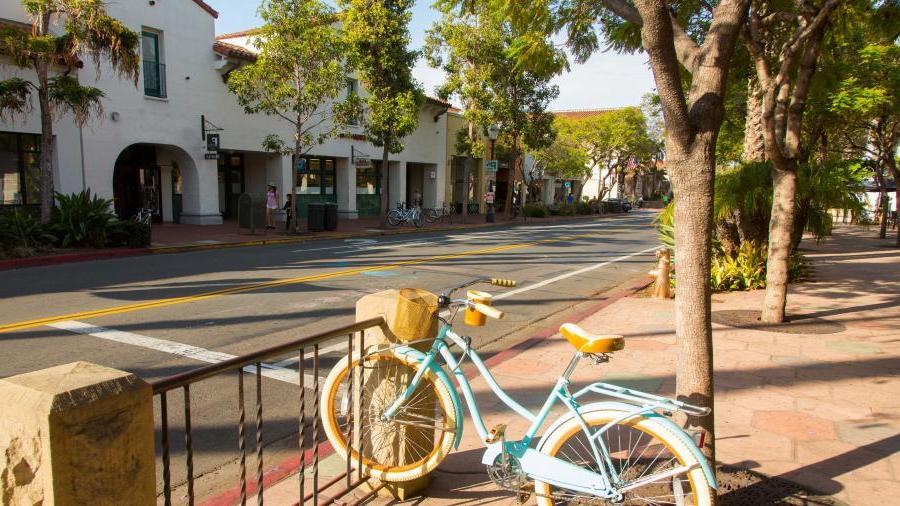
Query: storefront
column 20, row 172
column 316, row 183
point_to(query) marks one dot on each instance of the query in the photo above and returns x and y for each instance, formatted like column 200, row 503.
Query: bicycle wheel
column 407, row 447
column 417, row 219
column 431, row 215
column 639, row 449
column 394, row 218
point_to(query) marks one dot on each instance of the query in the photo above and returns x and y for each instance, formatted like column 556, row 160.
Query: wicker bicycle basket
column 416, row 311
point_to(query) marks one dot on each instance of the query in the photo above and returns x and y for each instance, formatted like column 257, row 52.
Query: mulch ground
column 740, row 487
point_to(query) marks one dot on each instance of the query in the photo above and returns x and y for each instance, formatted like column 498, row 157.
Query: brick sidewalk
column 820, row 408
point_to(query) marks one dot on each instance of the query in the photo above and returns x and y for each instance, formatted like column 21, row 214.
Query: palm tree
column 86, row 30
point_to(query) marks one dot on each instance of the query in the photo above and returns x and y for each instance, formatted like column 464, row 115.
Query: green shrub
column 128, row 234
column 80, row 219
column 582, row 207
column 535, row 210
column 566, row 210
column 21, row 233
column 746, row 268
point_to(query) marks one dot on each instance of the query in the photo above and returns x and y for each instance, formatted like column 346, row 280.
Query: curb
column 291, row 466
column 20, row 263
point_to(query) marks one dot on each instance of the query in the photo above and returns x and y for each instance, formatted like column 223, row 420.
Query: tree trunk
column 693, row 179
column 46, row 158
column 385, row 184
column 784, row 181
column 800, row 219
column 465, row 195
column 298, row 151
column 883, row 211
column 754, row 143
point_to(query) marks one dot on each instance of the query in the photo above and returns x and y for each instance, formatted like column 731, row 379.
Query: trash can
column 315, row 212
column 331, row 216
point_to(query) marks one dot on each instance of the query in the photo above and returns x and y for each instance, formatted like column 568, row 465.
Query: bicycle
column 144, row 216
column 625, row 451
column 404, row 214
column 437, row 214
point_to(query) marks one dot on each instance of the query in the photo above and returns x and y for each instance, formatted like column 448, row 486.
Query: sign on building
column 491, row 166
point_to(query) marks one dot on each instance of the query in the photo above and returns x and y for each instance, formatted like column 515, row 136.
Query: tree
column 785, row 47
column 868, row 101
column 692, row 120
column 474, row 47
column 84, row 28
column 297, row 75
column 378, row 37
column 566, row 157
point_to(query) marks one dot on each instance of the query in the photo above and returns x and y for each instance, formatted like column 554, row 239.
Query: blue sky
column 606, row 80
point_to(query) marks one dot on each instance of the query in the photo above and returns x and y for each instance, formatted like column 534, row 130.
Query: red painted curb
column 18, row 263
column 291, row 466
column 272, row 476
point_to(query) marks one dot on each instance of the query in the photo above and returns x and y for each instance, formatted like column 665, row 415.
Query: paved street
column 162, row 314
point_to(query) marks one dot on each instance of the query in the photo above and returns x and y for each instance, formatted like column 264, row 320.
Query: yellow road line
column 10, row 327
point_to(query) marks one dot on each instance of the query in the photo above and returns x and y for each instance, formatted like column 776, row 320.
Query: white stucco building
column 147, row 150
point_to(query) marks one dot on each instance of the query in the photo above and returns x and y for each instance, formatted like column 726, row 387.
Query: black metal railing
column 154, row 79
column 308, row 447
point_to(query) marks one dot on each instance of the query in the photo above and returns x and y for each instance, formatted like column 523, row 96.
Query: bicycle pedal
column 524, row 493
column 496, row 433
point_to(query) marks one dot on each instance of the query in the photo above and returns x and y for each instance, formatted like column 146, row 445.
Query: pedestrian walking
column 271, row 205
column 288, row 210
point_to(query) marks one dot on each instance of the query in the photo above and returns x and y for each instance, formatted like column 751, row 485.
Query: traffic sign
column 491, row 165
column 567, row 184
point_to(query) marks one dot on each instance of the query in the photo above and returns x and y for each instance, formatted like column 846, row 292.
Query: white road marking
column 279, row 371
column 540, row 284
column 183, row 350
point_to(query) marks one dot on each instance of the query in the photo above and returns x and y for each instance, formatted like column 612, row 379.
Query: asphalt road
column 159, row 315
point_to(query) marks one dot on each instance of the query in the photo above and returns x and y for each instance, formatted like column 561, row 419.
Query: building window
column 353, row 90
column 368, row 180
column 154, row 69
column 20, row 172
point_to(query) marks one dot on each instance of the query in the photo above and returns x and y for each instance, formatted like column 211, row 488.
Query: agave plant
column 21, row 230
column 81, row 219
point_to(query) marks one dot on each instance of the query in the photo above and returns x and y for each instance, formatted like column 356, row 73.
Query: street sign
column 212, row 142
column 567, row 184
column 211, row 156
column 491, row 165
column 301, row 166
column 489, row 198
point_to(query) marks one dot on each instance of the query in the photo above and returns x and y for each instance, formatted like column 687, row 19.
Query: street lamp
column 493, row 132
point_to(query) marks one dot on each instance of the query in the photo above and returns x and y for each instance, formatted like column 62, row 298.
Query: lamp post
column 493, row 132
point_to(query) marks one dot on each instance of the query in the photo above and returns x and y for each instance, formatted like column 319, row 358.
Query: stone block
column 76, row 434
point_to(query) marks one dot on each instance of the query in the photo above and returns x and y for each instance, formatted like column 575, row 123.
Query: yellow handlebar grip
column 503, row 282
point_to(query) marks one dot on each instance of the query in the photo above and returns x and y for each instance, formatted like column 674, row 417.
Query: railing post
column 384, row 304
column 77, row 434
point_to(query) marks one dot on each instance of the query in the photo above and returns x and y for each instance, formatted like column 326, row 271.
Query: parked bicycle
column 144, row 216
column 405, row 214
column 439, row 213
column 410, row 417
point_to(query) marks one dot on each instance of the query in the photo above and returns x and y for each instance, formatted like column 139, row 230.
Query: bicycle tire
column 417, row 219
column 377, row 460
column 561, row 443
column 394, row 218
column 431, row 215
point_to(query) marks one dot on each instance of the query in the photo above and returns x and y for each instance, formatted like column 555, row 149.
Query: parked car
column 617, row 205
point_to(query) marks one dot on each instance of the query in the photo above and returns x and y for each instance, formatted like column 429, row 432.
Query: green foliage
column 15, row 97
column 300, row 65
column 476, row 49
column 377, row 34
column 665, row 225
column 81, row 219
column 536, row 210
column 566, row 210
column 82, row 101
column 21, row 233
column 582, row 207
column 746, row 270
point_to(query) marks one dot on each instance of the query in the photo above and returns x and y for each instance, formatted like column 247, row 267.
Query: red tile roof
column 233, row 51
column 243, row 33
column 205, row 6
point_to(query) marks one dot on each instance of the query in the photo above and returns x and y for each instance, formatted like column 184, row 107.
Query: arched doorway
column 137, row 182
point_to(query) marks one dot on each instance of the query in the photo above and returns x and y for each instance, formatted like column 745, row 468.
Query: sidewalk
column 816, row 402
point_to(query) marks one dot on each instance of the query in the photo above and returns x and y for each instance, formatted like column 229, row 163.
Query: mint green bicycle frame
column 640, row 404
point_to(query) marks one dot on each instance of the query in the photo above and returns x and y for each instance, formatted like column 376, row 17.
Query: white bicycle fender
column 625, row 407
